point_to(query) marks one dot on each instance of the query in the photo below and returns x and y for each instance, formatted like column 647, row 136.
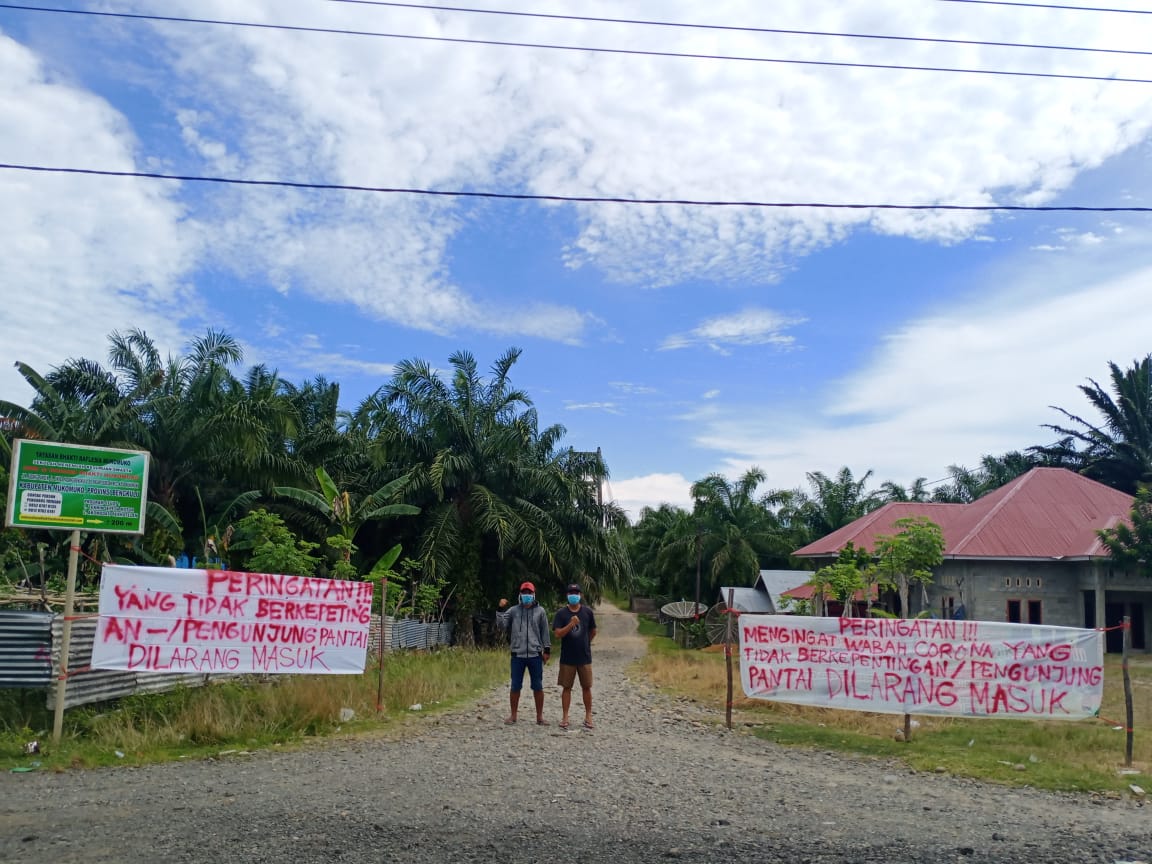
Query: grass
column 1078, row 756
column 242, row 714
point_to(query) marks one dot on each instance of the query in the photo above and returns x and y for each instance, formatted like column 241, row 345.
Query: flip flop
column 588, row 725
column 564, row 724
column 541, row 722
column 509, row 721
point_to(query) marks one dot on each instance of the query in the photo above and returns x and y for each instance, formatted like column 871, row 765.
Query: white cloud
column 651, row 490
column 711, row 394
column 81, row 256
column 750, row 327
column 436, row 115
column 608, row 407
column 966, row 381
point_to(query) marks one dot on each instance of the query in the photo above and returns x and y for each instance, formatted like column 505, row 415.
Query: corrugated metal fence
column 87, row 685
column 30, row 645
column 25, row 649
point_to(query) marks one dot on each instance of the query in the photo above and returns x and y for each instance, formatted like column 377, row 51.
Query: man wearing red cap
column 531, row 642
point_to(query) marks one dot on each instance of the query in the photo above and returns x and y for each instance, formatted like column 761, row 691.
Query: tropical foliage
column 460, row 473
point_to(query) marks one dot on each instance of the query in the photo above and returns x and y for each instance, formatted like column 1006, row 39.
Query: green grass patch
column 1059, row 755
column 243, row 714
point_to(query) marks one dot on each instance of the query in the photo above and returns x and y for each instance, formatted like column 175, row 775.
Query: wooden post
column 1127, row 693
column 728, row 656
column 66, row 637
column 383, row 643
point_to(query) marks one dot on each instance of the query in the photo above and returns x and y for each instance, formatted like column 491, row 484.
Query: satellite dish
column 683, row 610
column 716, row 623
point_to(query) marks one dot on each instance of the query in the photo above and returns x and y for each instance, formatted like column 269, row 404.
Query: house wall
column 1069, row 593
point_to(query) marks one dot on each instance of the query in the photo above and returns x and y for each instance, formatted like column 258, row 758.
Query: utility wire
column 575, row 199
column 554, row 47
column 735, row 29
column 1052, row 6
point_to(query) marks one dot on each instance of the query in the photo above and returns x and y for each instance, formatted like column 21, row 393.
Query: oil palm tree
column 738, row 528
column 1116, row 448
column 500, row 497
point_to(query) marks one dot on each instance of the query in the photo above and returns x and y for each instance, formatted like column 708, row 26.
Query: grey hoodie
column 528, row 630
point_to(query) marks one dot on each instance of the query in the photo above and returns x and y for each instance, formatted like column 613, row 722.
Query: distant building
column 1028, row 552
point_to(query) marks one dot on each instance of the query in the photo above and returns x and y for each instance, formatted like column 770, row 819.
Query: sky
column 681, row 340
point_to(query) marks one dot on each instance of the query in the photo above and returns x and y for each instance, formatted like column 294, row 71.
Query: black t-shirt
column 576, row 647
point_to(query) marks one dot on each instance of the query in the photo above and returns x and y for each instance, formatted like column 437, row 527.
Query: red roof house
column 1028, row 552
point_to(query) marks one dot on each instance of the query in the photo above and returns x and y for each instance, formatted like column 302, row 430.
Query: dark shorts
column 535, row 667
column 568, row 675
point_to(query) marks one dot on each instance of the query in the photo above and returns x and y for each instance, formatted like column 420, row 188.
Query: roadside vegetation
column 1074, row 756
column 232, row 717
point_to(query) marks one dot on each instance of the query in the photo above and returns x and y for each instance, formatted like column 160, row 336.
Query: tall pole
column 696, row 608
column 66, row 638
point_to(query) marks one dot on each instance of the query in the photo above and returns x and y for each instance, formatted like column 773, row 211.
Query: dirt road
column 652, row 783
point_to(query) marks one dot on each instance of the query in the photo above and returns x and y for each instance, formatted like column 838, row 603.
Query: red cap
column 528, row 586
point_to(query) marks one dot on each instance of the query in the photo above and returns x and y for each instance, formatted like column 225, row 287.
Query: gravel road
column 656, row 781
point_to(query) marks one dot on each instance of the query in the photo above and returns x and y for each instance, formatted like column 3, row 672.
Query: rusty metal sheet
column 25, row 649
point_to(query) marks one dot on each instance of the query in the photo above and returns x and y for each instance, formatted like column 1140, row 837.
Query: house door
column 1114, row 616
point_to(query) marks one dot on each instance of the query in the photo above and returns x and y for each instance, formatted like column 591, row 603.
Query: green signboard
column 76, row 487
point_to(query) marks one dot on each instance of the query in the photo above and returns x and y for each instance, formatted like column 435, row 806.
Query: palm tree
column 739, row 531
column 833, row 502
column 663, row 551
column 918, row 491
column 1117, row 448
column 500, row 498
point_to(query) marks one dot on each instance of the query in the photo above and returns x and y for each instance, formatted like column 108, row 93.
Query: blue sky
column 681, row 341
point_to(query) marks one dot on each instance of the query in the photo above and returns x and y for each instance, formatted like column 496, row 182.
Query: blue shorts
column 535, row 667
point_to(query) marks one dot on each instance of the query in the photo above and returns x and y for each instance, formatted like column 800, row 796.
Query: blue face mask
column 527, row 599
column 573, row 599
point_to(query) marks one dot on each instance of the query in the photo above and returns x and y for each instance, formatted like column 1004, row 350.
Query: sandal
column 564, row 724
column 541, row 722
column 588, row 724
column 509, row 721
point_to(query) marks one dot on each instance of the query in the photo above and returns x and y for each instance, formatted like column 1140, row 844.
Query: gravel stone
column 658, row 778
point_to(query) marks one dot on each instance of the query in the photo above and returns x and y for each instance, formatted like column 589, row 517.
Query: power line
column 575, row 199
column 735, row 29
column 578, row 48
column 1052, row 6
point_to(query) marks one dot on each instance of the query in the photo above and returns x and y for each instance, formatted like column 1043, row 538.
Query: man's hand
column 503, row 602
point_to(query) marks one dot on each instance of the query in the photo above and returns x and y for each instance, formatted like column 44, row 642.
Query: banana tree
column 348, row 516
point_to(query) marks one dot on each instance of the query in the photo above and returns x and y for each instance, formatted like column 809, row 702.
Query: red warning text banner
column 949, row 668
column 155, row 619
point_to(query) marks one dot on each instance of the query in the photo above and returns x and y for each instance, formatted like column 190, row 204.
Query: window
column 1028, row 582
column 1037, row 581
column 1014, row 612
column 948, row 608
column 1034, row 610
column 1007, row 581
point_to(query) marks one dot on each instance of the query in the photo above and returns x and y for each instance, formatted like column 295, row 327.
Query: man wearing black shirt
column 575, row 626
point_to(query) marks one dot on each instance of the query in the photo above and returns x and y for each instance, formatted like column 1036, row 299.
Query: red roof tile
column 1046, row 513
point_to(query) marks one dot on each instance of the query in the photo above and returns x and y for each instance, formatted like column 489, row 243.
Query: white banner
column 923, row 666
column 163, row 619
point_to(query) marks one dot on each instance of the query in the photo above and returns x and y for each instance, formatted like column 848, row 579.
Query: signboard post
column 73, row 487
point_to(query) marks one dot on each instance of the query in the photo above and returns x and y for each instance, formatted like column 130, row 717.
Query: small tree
column 852, row 573
column 272, row 547
column 908, row 556
column 1131, row 545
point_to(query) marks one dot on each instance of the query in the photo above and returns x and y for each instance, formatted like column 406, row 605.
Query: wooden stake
column 1127, row 692
column 66, row 638
column 383, row 641
column 728, row 657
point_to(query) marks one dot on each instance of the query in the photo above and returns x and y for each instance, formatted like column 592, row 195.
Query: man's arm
column 591, row 626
